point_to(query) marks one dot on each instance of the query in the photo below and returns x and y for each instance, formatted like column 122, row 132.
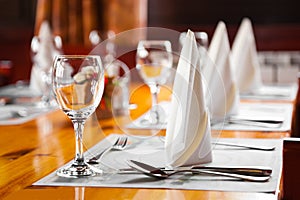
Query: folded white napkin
column 188, row 134
column 222, row 95
column 44, row 49
column 245, row 59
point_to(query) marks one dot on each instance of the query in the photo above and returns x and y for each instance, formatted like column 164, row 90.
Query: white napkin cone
column 188, row 134
column 43, row 59
column 222, row 95
column 245, row 59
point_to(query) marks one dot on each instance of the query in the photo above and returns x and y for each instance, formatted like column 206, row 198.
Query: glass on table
column 201, row 38
column 121, row 80
column 154, row 61
column 43, row 51
column 78, row 84
column 202, row 43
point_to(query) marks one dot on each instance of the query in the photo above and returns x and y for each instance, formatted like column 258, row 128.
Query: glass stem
column 46, row 88
column 154, row 89
column 78, row 128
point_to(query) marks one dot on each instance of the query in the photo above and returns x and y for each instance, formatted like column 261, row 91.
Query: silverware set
column 261, row 174
column 246, row 173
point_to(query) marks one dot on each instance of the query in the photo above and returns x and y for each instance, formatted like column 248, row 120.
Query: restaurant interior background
column 276, row 26
column 276, row 23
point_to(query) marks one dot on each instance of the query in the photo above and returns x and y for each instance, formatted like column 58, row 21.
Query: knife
column 261, row 119
column 243, row 170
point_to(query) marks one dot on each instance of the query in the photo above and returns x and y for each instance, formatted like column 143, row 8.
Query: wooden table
column 32, row 150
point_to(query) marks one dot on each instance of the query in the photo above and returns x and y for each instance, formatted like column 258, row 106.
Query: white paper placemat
column 151, row 150
column 273, row 92
column 271, row 110
column 18, row 91
column 256, row 110
column 18, row 114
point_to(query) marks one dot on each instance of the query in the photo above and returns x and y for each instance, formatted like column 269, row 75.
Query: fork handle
column 94, row 160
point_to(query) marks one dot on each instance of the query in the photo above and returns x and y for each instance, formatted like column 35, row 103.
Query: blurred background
column 276, row 23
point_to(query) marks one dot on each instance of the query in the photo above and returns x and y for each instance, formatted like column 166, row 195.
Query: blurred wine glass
column 154, row 62
column 202, row 44
column 201, row 39
column 117, row 73
column 78, row 84
column 43, row 51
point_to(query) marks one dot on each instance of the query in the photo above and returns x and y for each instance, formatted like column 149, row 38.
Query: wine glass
column 154, row 62
column 78, row 84
column 43, row 51
column 202, row 43
column 201, row 39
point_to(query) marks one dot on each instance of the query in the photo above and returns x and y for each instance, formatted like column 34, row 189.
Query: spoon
column 159, row 173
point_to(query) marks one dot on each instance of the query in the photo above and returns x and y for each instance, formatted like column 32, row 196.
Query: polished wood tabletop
column 30, row 151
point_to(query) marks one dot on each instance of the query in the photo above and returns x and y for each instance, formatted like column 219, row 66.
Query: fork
column 119, row 145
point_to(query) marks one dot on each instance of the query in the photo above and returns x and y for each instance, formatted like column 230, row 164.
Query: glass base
column 46, row 105
column 155, row 116
column 77, row 171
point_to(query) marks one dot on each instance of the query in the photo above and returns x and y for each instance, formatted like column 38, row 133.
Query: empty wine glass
column 78, row 84
column 43, row 51
column 201, row 38
column 154, row 62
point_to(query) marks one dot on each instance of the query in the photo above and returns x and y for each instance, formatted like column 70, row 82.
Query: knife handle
column 263, row 171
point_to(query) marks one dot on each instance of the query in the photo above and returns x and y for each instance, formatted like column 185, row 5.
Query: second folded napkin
column 188, row 134
column 222, row 94
column 45, row 49
column 245, row 59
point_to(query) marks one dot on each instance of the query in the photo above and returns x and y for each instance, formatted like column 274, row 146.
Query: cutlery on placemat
column 161, row 174
column 252, row 147
column 254, row 123
column 119, row 144
column 258, row 118
column 273, row 122
column 244, row 170
column 262, row 121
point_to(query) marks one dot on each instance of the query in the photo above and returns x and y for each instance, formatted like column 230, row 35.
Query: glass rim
column 167, row 44
column 77, row 56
